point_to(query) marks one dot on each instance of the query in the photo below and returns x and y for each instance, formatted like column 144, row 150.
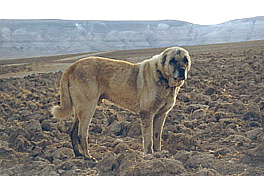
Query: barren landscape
column 216, row 127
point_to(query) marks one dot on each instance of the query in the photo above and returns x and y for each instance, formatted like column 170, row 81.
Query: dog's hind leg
column 75, row 138
column 85, row 113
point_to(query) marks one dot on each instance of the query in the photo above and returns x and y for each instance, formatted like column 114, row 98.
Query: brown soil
column 216, row 127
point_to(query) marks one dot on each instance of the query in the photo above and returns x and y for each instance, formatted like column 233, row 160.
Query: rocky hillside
column 27, row 38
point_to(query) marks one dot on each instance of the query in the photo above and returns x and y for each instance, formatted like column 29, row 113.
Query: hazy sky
column 194, row 11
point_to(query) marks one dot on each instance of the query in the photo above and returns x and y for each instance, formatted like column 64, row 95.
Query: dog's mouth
column 175, row 82
column 179, row 79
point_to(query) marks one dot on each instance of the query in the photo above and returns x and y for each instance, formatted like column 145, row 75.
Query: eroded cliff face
column 26, row 38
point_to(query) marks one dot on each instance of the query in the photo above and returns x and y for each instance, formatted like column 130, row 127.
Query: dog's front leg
column 147, row 131
column 159, row 121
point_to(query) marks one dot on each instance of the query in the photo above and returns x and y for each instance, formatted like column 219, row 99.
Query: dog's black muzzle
column 182, row 73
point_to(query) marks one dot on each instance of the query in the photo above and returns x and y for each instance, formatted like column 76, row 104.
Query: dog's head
column 175, row 63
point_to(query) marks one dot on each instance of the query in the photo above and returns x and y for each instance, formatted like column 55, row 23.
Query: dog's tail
column 65, row 109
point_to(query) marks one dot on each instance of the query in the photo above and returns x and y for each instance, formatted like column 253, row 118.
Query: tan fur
column 148, row 88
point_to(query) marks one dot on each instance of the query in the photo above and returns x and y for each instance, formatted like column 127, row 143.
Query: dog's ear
column 164, row 55
column 163, row 59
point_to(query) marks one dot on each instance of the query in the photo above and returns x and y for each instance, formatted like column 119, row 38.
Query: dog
column 148, row 88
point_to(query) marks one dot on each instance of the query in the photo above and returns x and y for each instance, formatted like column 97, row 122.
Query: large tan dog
column 148, row 88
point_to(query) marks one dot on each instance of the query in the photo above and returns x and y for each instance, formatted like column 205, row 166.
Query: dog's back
column 98, row 77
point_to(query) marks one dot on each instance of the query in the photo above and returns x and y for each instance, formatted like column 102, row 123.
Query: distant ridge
column 29, row 38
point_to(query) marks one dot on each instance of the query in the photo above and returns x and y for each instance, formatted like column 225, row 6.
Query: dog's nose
column 182, row 73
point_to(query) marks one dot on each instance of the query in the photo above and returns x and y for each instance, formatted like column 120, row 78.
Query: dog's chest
column 167, row 95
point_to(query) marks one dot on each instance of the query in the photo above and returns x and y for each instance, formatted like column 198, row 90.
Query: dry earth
column 216, row 127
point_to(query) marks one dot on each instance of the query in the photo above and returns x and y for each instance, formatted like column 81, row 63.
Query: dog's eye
column 185, row 60
column 173, row 61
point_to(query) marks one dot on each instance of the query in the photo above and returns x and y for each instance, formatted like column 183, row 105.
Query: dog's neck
column 162, row 81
